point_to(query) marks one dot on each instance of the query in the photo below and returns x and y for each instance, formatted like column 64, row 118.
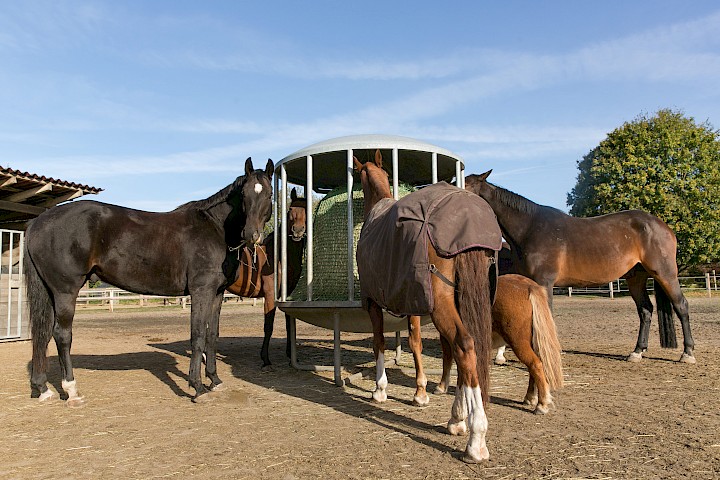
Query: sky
column 159, row 103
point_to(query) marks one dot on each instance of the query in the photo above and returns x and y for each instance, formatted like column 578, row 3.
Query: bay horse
column 556, row 249
column 459, row 302
column 188, row 251
column 256, row 277
column 522, row 319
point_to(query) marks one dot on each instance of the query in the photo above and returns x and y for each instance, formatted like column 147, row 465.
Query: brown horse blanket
column 392, row 250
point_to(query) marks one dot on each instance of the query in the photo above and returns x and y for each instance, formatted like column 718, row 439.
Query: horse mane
column 514, row 201
column 215, row 198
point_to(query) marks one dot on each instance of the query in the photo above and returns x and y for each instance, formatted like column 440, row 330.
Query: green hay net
column 330, row 234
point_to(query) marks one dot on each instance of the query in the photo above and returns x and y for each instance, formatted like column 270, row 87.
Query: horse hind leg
column 670, row 298
column 447, row 359
column 421, row 397
column 638, row 290
column 381, row 382
column 62, row 333
column 500, row 356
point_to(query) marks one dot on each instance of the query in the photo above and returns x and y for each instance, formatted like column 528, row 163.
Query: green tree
column 666, row 165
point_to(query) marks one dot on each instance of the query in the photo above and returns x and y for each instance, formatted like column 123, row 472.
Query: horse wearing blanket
column 433, row 253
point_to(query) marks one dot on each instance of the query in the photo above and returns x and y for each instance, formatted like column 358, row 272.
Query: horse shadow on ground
column 616, row 357
column 161, row 365
column 242, row 354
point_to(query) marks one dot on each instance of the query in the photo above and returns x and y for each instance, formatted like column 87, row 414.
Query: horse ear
column 293, row 194
column 269, row 168
column 358, row 165
column 378, row 158
column 249, row 166
column 483, row 176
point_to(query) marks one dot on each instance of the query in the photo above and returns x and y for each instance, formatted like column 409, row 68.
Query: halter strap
column 436, row 272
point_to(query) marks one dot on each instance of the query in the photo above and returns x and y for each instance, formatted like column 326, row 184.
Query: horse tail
column 475, row 308
column 666, row 321
column 545, row 342
column 40, row 307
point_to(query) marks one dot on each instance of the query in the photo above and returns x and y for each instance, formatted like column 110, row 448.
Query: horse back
column 143, row 252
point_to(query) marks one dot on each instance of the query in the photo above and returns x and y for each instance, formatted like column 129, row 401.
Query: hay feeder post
column 328, row 295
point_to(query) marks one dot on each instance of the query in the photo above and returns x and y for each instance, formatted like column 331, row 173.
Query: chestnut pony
column 555, row 249
column 461, row 313
column 522, row 319
column 188, row 251
column 256, row 277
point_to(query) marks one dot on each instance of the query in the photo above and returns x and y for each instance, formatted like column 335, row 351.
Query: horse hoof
column 439, row 390
column 685, row 358
column 530, row 402
column 457, row 428
column 220, row 387
column 267, row 368
column 75, row 402
column 482, row 455
column 634, row 357
column 46, row 396
column 379, row 396
column 540, row 410
column 421, row 401
column 500, row 361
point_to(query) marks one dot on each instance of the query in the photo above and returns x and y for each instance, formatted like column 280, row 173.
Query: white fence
column 707, row 284
column 114, row 297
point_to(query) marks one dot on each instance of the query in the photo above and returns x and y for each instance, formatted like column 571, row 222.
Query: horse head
column 479, row 185
column 296, row 217
column 256, row 201
column 374, row 179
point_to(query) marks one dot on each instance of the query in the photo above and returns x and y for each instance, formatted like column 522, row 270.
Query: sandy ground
column 614, row 419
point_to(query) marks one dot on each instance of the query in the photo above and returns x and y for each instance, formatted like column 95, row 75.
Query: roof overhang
column 24, row 196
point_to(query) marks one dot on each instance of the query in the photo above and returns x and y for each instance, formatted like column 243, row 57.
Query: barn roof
column 24, row 196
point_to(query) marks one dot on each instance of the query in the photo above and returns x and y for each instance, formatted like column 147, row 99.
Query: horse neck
column 514, row 212
column 373, row 193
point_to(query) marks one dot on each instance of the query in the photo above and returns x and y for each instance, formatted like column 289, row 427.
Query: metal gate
column 13, row 311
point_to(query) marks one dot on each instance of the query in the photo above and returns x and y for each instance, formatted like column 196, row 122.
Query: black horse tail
column 666, row 321
column 41, row 311
column 475, row 308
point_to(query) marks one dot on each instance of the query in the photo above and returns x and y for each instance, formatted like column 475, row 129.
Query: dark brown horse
column 522, row 319
column 556, row 249
column 256, row 275
column 459, row 307
column 187, row 251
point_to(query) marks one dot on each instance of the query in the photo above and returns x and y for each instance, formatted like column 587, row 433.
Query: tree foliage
column 666, row 165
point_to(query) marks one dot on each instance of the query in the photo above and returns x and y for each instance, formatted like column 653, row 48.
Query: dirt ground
column 614, row 419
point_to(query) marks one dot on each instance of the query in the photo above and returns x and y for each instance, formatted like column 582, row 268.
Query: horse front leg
column 381, row 382
column 269, row 311
column 204, row 325
column 421, row 397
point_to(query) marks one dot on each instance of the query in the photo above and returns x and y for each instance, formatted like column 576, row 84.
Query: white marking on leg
column 46, row 395
column 258, row 188
column 381, row 382
column 476, row 449
column 634, row 357
column 74, row 399
column 500, row 357
column 458, row 414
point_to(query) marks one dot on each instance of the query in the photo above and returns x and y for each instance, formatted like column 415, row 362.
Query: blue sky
column 161, row 102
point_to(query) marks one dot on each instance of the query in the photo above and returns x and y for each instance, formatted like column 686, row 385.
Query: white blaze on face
column 258, row 188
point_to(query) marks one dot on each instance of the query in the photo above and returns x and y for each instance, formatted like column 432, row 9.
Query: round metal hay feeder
column 328, row 166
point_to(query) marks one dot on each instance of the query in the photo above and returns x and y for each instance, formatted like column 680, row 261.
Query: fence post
column 111, row 294
column 610, row 285
column 714, row 279
column 569, row 291
column 707, row 284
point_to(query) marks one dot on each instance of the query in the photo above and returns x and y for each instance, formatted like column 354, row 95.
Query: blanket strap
column 436, row 272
